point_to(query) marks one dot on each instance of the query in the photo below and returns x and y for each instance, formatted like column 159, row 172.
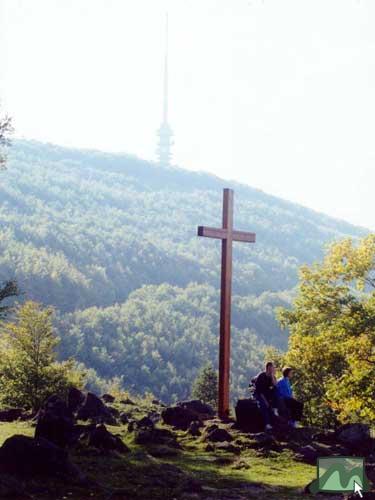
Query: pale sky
column 278, row 94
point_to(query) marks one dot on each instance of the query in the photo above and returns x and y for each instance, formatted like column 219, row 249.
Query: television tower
column 165, row 133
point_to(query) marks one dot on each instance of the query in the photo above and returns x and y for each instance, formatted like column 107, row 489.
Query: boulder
column 11, row 415
column 26, row 456
column 154, row 436
column 353, row 435
column 124, row 419
column 55, row 422
column 104, row 440
column 194, row 428
column 145, row 422
column 108, row 398
column 248, row 416
column 217, row 435
column 201, row 409
column 227, row 447
column 75, row 399
column 127, row 401
column 179, row 417
column 93, row 408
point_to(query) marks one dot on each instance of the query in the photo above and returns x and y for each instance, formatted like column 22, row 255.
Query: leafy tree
column 205, row 385
column 28, row 368
column 332, row 341
column 7, row 290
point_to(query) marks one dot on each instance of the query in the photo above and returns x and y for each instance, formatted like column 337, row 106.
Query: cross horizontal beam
column 222, row 234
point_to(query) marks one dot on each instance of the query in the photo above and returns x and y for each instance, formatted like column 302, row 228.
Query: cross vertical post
column 227, row 235
column 225, row 304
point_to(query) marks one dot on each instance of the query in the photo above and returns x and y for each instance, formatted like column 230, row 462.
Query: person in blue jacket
column 289, row 407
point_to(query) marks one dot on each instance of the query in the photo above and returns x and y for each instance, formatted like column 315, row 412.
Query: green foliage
column 332, row 342
column 28, row 368
column 8, row 290
column 205, row 386
column 110, row 241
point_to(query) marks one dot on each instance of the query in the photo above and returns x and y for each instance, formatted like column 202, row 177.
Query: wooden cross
column 227, row 234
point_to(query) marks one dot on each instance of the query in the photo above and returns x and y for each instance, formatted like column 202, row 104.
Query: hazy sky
column 278, row 94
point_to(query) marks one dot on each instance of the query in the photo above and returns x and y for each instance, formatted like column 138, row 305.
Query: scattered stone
column 161, row 451
column 248, row 416
column 217, row 435
column 114, row 411
column 151, row 436
column 179, row 417
column 209, row 448
column 104, row 440
column 308, row 454
column 132, row 426
column 241, row 465
column 124, row 419
column 11, row 415
column 227, row 447
column 356, row 437
column 93, row 408
column 145, row 422
column 194, row 428
column 55, row 422
column 203, row 410
column 127, row 401
column 261, row 440
column 75, row 399
column 108, row 398
column 25, row 456
column 11, row 487
column 192, row 486
column 154, row 416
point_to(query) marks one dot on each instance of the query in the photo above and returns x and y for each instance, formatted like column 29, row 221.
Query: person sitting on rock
column 289, row 407
column 266, row 394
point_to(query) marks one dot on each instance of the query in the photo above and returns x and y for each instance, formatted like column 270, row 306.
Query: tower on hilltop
column 165, row 133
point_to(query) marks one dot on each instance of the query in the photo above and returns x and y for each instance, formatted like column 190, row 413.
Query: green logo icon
column 340, row 474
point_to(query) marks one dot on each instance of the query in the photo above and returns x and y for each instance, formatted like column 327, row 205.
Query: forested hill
column 82, row 230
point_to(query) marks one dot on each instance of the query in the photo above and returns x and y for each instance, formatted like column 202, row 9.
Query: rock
column 201, row 409
column 75, row 399
column 153, row 436
column 194, row 428
column 161, row 451
column 356, row 437
column 124, row 419
column 127, row 401
column 93, row 408
column 132, row 425
column 23, row 455
column 155, row 402
column 11, row 415
column 228, row 447
column 114, row 411
column 55, row 422
column 108, row 398
column 248, row 416
column 217, row 435
column 209, row 448
column 191, row 485
column 261, row 440
column 154, row 416
column 11, row 487
column 145, row 422
column 104, row 440
column 308, row 454
column 179, row 417
column 241, row 465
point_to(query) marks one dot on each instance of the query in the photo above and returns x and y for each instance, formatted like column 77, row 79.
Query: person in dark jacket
column 288, row 405
column 266, row 394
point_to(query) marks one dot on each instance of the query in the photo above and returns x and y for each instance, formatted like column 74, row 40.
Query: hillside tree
column 205, row 385
column 29, row 371
column 332, row 335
